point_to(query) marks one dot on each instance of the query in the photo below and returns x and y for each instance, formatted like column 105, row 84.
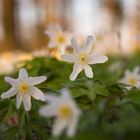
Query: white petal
column 18, row 100
column 48, row 111
column 36, row 80
column 58, row 127
column 11, row 81
column 72, row 126
column 69, row 58
column 9, row 93
column 77, row 68
column 88, row 44
column 51, row 44
column 23, row 73
column 27, row 102
column 136, row 70
column 66, row 97
column 97, row 58
column 127, row 73
column 138, row 84
column 75, row 45
column 88, row 71
column 37, row 94
column 52, row 98
column 58, row 28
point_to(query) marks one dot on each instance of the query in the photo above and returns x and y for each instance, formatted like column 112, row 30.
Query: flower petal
column 97, row 58
column 11, row 81
column 138, row 84
column 36, row 80
column 48, row 111
column 88, row 71
column 127, row 73
column 37, row 94
column 52, row 98
column 52, row 44
column 88, row 44
column 136, row 70
column 58, row 127
column 27, row 102
column 23, row 73
column 66, row 96
column 72, row 126
column 75, row 45
column 9, row 93
column 18, row 100
column 77, row 68
column 69, row 58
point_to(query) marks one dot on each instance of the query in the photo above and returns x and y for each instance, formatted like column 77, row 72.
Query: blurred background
column 115, row 23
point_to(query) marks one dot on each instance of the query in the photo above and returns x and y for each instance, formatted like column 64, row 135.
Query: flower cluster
column 62, row 108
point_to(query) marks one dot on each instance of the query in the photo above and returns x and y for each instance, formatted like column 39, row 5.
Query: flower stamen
column 65, row 112
column 83, row 58
column 60, row 39
column 24, row 88
column 132, row 81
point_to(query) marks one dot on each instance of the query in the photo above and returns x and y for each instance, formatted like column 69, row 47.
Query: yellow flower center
column 64, row 112
column 60, row 38
column 132, row 81
column 24, row 88
column 83, row 58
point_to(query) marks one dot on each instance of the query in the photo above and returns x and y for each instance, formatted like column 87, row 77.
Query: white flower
column 58, row 38
column 23, row 88
column 66, row 112
column 82, row 58
column 132, row 78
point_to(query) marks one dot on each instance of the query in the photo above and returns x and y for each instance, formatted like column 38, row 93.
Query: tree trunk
column 9, row 24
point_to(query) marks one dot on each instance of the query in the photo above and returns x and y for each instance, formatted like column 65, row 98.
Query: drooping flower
column 66, row 112
column 83, row 57
column 58, row 38
column 132, row 78
column 23, row 88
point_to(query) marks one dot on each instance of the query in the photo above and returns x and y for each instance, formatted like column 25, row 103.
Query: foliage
column 109, row 110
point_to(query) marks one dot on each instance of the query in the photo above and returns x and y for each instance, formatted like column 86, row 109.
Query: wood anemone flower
column 65, row 111
column 23, row 88
column 83, row 57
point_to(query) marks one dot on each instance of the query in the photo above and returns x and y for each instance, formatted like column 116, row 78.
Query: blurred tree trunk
column 9, row 23
column 114, row 10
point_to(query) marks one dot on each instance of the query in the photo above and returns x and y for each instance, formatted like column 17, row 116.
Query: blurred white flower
column 58, row 38
column 82, row 58
column 132, row 78
column 23, row 88
column 65, row 110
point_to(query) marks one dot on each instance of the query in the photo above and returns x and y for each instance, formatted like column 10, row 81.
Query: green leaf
column 11, row 134
column 100, row 89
